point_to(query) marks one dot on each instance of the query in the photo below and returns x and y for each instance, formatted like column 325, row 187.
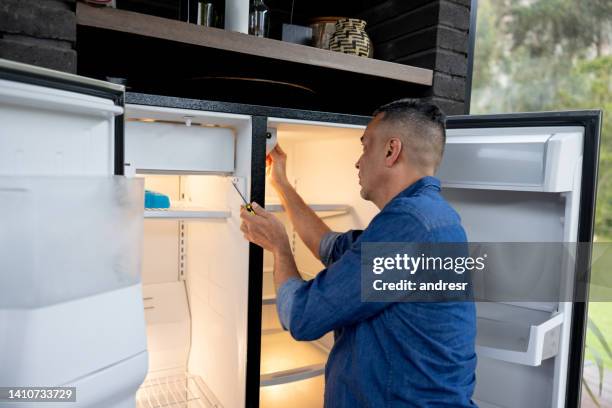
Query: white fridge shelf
column 177, row 391
column 186, row 213
column 269, row 300
column 299, row 394
column 524, row 337
column 284, row 360
column 324, row 210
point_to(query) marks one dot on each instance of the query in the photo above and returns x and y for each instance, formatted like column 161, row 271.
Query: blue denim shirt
column 405, row 354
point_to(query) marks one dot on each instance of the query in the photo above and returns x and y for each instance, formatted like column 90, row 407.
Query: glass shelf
column 324, row 210
column 185, row 213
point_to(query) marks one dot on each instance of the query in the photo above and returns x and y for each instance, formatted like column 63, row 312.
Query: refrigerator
column 179, row 310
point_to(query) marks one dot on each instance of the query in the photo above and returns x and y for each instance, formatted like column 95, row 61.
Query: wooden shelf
column 167, row 29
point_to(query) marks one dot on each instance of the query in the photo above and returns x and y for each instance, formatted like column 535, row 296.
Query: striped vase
column 350, row 37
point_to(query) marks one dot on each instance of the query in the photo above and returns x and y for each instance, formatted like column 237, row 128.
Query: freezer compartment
column 527, row 159
column 164, row 140
column 65, row 238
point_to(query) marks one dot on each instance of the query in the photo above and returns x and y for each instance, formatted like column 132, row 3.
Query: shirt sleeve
column 333, row 298
column 284, row 300
column 334, row 244
column 329, row 301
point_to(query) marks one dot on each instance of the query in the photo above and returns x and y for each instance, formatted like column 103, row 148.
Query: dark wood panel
column 163, row 67
column 161, row 28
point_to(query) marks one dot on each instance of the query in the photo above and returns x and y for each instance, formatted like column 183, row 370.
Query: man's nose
column 357, row 164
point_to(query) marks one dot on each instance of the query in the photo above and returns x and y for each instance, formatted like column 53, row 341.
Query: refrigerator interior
column 514, row 184
column 195, row 260
column 507, row 185
column 321, row 166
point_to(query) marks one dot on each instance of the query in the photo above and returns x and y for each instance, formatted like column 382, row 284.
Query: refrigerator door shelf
column 520, row 159
column 112, row 387
column 48, row 131
column 519, row 342
column 66, row 238
column 56, row 345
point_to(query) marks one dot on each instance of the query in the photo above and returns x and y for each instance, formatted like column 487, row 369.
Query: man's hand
column 264, row 229
column 276, row 167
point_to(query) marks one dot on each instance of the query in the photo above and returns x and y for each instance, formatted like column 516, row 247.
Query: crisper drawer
column 173, row 141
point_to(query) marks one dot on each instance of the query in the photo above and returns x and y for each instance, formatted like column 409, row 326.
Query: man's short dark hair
column 422, row 126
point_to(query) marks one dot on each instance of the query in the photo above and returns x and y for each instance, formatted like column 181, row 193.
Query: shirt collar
column 419, row 185
column 416, row 187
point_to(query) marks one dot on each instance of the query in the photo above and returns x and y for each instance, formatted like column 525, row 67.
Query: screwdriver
column 247, row 205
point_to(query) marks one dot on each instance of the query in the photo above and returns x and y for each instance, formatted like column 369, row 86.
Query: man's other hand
column 276, row 167
column 264, row 229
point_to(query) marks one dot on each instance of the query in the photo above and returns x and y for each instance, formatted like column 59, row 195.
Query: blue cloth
column 156, row 200
column 403, row 354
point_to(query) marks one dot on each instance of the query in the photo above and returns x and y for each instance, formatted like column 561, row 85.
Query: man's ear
column 393, row 150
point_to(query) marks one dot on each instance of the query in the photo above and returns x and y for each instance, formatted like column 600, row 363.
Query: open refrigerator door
column 70, row 240
column 527, row 178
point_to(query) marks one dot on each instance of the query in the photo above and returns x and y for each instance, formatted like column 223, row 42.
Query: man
column 386, row 354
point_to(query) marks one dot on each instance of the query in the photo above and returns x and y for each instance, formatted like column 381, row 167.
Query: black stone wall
column 430, row 34
column 39, row 32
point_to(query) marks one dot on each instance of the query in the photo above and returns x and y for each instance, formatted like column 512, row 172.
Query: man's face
column 371, row 163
